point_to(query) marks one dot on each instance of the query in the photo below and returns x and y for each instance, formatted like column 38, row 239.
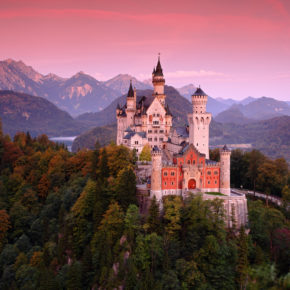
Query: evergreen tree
column 242, row 264
column 95, row 161
column 153, row 220
column 126, row 188
column 104, row 168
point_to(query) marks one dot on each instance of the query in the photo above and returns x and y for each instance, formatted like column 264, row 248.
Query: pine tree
column 126, row 188
column 95, row 161
column 242, row 264
column 104, row 168
column 153, row 220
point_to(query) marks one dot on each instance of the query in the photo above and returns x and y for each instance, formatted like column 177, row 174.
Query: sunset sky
column 232, row 48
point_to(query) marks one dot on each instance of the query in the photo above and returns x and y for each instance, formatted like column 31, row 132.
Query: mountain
column 78, row 94
column 179, row 107
column 259, row 109
column 104, row 135
column 23, row 112
column 187, row 90
column 228, row 102
column 271, row 136
column 232, row 115
column 247, row 101
column 121, row 82
column 81, row 93
column 265, row 108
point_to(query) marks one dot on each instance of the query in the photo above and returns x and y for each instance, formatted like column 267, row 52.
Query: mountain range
column 21, row 112
column 258, row 109
column 37, row 105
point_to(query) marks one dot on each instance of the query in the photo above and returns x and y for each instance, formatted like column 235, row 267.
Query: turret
column 156, row 182
column 199, row 121
column 158, row 82
column 225, row 167
column 131, row 105
column 199, row 101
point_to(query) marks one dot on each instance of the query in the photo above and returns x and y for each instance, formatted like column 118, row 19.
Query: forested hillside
column 71, row 221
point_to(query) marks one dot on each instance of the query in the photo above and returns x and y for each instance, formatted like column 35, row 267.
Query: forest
column 71, row 221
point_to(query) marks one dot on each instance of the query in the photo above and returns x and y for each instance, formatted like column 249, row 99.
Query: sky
column 231, row 48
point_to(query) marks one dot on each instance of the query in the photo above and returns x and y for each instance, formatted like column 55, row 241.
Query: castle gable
column 156, row 107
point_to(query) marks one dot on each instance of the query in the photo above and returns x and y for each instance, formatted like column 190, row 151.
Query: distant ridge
column 258, row 109
column 121, row 82
column 23, row 112
column 78, row 94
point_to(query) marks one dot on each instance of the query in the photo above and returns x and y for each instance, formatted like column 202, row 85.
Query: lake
column 68, row 141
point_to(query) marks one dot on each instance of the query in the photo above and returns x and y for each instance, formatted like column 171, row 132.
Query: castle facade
column 180, row 156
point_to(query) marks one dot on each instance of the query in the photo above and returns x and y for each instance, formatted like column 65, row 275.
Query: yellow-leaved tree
column 145, row 154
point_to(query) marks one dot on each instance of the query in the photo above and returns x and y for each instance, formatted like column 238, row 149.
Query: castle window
column 209, row 173
column 193, row 162
column 149, row 131
column 161, row 139
column 136, row 142
column 149, row 139
column 215, row 182
column 215, row 172
column 196, row 144
column 188, row 161
column 155, row 131
column 172, row 173
column 172, row 183
column 157, row 115
column 155, row 139
column 155, row 122
column 208, row 182
column 137, row 150
column 161, row 131
column 165, row 173
column 165, row 183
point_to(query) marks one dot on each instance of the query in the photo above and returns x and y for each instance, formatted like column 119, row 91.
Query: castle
column 180, row 156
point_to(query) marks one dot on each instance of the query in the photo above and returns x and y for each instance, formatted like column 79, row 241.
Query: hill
column 104, row 135
column 23, row 112
column 78, row 94
column 258, row 109
column 179, row 107
column 271, row 136
column 121, row 82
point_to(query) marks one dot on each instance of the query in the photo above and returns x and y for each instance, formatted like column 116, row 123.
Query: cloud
column 193, row 73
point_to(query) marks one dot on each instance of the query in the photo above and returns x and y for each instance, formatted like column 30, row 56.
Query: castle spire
column 158, row 71
column 130, row 91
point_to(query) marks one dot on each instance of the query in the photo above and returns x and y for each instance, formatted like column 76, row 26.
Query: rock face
column 78, row 94
column 121, row 82
column 23, row 112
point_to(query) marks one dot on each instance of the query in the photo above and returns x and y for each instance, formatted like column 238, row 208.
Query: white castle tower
column 158, row 82
column 199, row 121
column 156, row 182
column 225, row 167
column 131, row 106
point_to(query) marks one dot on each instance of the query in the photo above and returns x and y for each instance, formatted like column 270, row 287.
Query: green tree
column 153, row 220
column 126, row 187
column 145, row 154
column 172, row 215
column 104, row 241
column 255, row 160
column 242, row 263
column 132, row 223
